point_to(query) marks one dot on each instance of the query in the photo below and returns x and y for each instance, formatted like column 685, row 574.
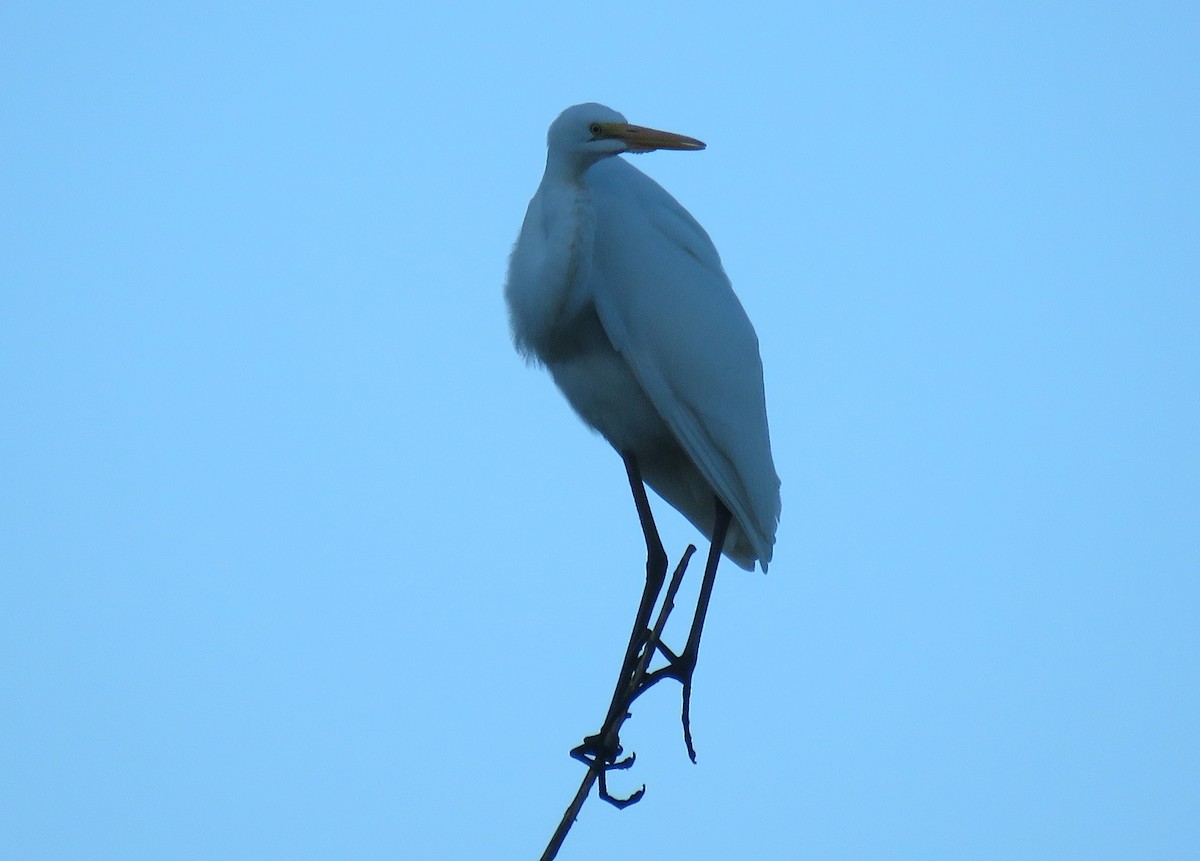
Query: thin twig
column 632, row 690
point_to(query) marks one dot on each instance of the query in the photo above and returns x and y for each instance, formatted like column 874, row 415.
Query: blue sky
column 301, row 561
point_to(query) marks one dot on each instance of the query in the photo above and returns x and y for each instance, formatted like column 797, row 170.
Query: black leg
column 683, row 665
column 601, row 746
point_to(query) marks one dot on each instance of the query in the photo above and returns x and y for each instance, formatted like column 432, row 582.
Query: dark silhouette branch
column 628, row 689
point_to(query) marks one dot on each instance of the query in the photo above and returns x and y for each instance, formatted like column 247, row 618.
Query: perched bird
column 620, row 293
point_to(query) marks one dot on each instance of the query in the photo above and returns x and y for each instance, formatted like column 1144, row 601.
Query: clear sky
column 301, row 561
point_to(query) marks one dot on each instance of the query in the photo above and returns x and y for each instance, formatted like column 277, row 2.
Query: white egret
column 620, row 293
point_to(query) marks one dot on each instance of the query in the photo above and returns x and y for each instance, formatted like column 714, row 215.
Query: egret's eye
column 595, row 129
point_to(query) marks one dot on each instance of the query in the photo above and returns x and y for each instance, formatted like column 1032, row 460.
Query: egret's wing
column 669, row 309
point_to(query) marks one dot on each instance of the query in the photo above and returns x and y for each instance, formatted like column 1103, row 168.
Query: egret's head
column 590, row 132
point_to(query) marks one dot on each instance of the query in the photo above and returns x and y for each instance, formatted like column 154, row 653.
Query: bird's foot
column 682, row 668
column 603, row 758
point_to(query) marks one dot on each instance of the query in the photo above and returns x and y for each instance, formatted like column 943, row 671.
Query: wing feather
column 668, row 307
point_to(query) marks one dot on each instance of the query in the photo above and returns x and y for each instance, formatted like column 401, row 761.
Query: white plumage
column 620, row 293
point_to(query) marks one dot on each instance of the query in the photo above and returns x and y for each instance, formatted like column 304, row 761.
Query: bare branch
column 603, row 755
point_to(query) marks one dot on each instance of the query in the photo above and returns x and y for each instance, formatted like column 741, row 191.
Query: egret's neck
column 547, row 285
column 567, row 168
column 569, row 227
column 566, row 215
